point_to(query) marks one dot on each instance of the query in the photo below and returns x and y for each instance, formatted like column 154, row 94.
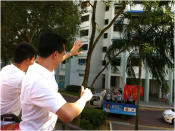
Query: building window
column 107, row 8
column 105, row 35
column 85, row 47
column 136, row 16
column 84, row 32
column 116, row 62
column 104, row 62
column 117, row 4
column 84, row 18
column 81, row 74
column 85, row 4
column 118, row 27
column 104, row 49
column 106, row 21
column 135, row 61
column 81, row 61
column 113, row 79
column 117, row 9
column 137, row 2
column 61, row 79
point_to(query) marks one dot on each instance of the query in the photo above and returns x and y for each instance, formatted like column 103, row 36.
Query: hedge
column 96, row 117
column 73, row 88
column 76, row 88
column 85, row 124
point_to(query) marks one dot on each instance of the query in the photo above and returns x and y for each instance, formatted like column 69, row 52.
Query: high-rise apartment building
column 74, row 70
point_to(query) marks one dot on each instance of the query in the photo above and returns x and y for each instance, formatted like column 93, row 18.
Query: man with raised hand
column 40, row 99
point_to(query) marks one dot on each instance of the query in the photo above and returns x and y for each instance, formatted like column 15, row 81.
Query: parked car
column 169, row 115
column 97, row 100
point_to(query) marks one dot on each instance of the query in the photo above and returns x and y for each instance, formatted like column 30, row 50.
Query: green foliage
column 147, row 48
column 70, row 93
column 26, row 20
column 73, row 88
column 117, row 45
column 114, row 49
column 150, row 36
column 95, row 116
column 85, row 124
column 107, row 3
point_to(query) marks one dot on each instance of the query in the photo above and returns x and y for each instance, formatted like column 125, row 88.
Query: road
column 150, row 119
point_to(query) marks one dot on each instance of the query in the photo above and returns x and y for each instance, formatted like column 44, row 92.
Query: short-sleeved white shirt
column 40, row 99
column 10, row 87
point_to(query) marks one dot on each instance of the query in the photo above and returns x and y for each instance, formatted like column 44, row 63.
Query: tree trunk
column 138, row 95
column 86, row 76
column 92, row 85
column 93, row 43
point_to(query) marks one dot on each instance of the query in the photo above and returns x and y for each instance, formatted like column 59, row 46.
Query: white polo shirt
column 10, row 87
column 40, row 99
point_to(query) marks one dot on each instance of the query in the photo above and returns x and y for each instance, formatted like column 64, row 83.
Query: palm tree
column 152, row 40
column 120, row 45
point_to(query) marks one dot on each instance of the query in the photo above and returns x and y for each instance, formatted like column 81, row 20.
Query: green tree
column 25, row 20
column 151, row 37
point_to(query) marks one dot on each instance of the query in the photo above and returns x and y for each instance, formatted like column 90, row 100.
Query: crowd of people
column 117, row 96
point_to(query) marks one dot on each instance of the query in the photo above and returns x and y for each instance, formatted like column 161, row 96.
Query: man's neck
column 45, row 62
column 20, row 66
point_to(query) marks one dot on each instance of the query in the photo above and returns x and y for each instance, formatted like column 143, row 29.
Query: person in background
column 108, row 95
column 120, row 90
column 11, row 77
column 114, row 95
column 130, row 99
column 119, row 97
column 41, row 102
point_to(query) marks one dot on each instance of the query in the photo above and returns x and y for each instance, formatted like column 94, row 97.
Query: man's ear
column 54, row 54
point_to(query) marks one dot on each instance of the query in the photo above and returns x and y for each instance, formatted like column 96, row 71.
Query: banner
column 127, row 92
column 132, row 90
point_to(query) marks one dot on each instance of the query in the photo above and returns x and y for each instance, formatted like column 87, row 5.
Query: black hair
column 23, row 51
column 50, row 42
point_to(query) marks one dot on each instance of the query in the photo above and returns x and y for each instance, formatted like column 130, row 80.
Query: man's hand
column 76, row 47
column 86, row 93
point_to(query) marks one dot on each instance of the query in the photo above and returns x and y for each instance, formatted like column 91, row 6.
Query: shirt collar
column 42, row 70
column 17, row 68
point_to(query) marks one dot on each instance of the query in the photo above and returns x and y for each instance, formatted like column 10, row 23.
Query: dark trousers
column 10, row 117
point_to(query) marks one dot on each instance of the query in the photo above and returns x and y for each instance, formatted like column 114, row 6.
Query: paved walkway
column 156, row 103
column 128, row 126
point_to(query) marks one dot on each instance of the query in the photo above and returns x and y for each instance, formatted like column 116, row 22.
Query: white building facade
column 72, row 73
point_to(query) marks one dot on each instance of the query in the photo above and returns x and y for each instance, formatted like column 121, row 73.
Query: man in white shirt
column 10, row 82
column 41, row 102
